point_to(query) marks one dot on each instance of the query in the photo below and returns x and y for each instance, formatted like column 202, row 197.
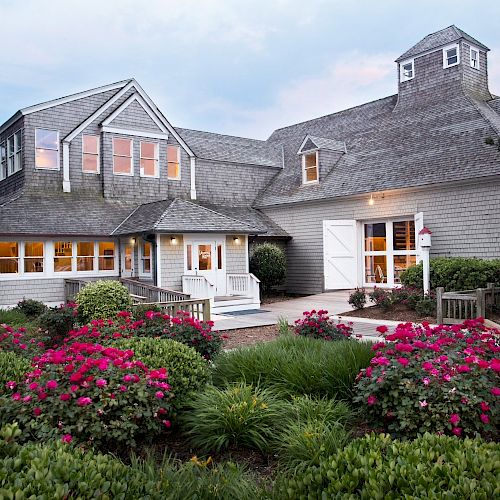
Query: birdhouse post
column 425, row 245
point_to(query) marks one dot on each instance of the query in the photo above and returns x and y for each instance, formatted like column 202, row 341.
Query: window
column 85, row 256
column 90, row 153
column 3, row 161
column 310, row 167
column 106, row 256
column 47, row 149
column 204, row 257
column 189, row 257
column 63, row 253
column 10, row 155
column 9, row 257
column 122, row 157
column 18, row 147
column 219, row 257
column 33, row 257
column 451, row 56
column 146, row 257
column 149, row 159
column 407, row 70
column 173, row 162
column 474, row 58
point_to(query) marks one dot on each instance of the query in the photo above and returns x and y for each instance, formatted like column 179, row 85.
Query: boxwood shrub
column 377, row 466
column 268, row 263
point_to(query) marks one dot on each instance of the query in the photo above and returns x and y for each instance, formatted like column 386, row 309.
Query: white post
column 424, row 236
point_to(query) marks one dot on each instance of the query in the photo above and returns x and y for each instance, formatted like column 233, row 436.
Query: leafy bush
column 12, row 369
column 102, row 299
column 96, row 394
column 296, row 365
column 57, row 322
column 268, row 263
column 357, row 299
column 442, row 379
column 455, row 273
column 12, row 317
column 381, row 298
column 318, row 325
column 187, row 371
column 236, row 415
column 31, row 308
column 140, row 311
column 426, row 306
column 378, row 467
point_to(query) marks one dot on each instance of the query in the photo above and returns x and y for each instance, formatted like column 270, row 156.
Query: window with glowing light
column 310, row 168
column 47, row 149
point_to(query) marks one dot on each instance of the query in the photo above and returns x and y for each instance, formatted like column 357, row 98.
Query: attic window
column 474, row 58
column 451, row 56
column 310, row 168
column 407, row 70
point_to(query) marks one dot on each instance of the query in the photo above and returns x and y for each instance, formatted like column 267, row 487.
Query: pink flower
column 33, row 386
column 37, row 411
column 27, row 399
column 371, row 400
column 403, row 361
column 159, row 394
column 67, row 438
column 11, row 384
column 382, row 329
column 427, row 366
column 463, row 368
column 457, row 431
column 74, row 388
column 381, row 360
column 484, row 406
column 100, row 382
column 42, row 396
column 128, row 378
column 447, row 377
column 122, row 388
column 484, row 418
column 16, row 396
column 51, row 384
column 426, row 380
column 495, row 365
column 423, row 403
column 454, row 419
column 166, row 423
column 83, row 401
column 495, row 391
column 65, row 396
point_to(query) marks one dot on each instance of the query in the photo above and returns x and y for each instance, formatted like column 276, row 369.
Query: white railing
column 198, row 287
column 244, row 284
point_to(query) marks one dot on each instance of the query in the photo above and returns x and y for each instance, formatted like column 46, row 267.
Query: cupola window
column 407, row 70
column 474, row 58
column 451, row 56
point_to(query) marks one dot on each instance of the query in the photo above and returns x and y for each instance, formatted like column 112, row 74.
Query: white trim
column 306, row 138
column 445, row 56
column 304, row 175
column 402, row 76
column 131, row 174
column 192, row 163
column 475, row 49
column 135, row 133
column 98, row 171
column 158, row 260
column 247, row 256
column 156, row 158
column 58, row 150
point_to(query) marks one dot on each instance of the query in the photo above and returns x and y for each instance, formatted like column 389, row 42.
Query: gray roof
column 391, row 147
column 182, row 216
column 228, row 148
column 62, row 214
column 435, row 40
column 323, row 143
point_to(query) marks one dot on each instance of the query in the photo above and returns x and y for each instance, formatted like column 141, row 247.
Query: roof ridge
column 222, row 135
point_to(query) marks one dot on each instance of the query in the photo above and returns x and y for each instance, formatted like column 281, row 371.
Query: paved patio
column 334, row 302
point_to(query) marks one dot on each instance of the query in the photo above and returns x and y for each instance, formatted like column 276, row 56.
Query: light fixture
column 173, row 240
column 371, row 201
column 132, row 240
column 236, row 240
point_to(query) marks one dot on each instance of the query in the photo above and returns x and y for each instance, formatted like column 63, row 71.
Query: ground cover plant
column 443, row 379
column 318, row 325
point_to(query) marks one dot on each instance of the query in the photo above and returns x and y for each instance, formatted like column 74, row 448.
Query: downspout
column 66, row 182
column 193, row 177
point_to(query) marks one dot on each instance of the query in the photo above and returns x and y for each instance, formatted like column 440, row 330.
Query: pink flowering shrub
column 443, row 379
column 318, row 325
column 93, row 393
column 182, row 328
column 15, row 340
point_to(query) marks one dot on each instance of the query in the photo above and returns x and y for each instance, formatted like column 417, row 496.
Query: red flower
column 37, row 411
column 463, row 368
column 51, row 384
column 83, row 401
column 371, row 400
column 484, row 418
column 67, row 438
column 382, row 329
column 454, row 419
column 457, row 431
column 495, row 391
column 403, row 361
column 484, row 406
column 65, row 396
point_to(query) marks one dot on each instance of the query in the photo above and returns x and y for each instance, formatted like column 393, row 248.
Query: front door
column 207, row 258
column 127, row 259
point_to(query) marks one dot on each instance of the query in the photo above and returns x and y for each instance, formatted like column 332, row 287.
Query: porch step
column 234, row 303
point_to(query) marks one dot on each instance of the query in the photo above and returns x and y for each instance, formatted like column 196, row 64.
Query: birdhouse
column 424, row 237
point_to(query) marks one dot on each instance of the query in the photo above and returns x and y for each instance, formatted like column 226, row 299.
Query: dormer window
column 451, row 56
column 310, row 168
column 407, row 70
column 474, row 58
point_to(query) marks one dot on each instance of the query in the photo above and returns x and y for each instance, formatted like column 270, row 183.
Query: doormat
column 244, row 313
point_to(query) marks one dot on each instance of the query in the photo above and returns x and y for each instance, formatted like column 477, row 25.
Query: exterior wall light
column 173, row 240
column 236, row 240
column 371, row 201
column 132, row 241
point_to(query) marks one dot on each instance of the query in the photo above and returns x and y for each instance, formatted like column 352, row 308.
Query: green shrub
column 139, row 311
column 12, row 369
column 57, row 322
column 187, row 371
column 357, row 299
column 31, row 308
column 268, row 263
column 13, row 317
column 455, row 273
column 304, row 408
column 239, row 414
column 426, row 306
column 318, row 325
column 296, row 365
column 101, row 300
column 381, row 298
column 378, row 467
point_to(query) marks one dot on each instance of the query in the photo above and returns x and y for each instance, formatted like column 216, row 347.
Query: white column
column 193, row 177
column 426, row 265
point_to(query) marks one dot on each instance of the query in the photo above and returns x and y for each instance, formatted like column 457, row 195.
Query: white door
column 340, row 254
column 127, row 259
column 208, row 258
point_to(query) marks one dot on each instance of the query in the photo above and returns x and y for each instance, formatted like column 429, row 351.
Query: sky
column 236, row 67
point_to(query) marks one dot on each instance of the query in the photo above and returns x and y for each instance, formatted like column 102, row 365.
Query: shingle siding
column 465, row 221
column 135, row 117
column 13, row 183
column 172, row 263
column 236, row 255
column 46, row 290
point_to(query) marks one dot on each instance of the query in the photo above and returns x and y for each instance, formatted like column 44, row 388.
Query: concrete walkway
column 334, row 302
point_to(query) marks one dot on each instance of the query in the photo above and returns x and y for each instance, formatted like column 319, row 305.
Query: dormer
column 318, row 157
column 443, row 64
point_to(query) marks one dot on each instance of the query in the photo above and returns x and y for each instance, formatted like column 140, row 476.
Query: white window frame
column 10, row 154
column 402, row 76
column 44, row 257
column 474, row 49
column 445, row 55
column 131, row 174
column 58, row 150
column 20, row 260
column 156, row 158
column 18, row 150
column 98, row 171
column 3, row 160
column 142, row 258
column 178, row 178
column 304, row 174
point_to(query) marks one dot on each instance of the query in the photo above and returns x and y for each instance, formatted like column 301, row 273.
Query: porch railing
column 72, row 287
column 244, row 284
column 198, row 287
column 150, row 293
column 199, row 308
column 455, row 307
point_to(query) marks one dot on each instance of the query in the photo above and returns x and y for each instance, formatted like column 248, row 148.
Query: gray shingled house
column 100, row 184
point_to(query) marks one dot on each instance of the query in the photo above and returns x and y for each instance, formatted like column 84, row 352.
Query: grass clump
column 294, row 365
column 13, row 317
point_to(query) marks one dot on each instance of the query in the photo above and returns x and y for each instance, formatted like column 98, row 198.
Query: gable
column 308, row 145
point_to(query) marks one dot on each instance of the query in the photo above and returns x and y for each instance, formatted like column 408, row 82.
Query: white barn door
column 340, row 254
